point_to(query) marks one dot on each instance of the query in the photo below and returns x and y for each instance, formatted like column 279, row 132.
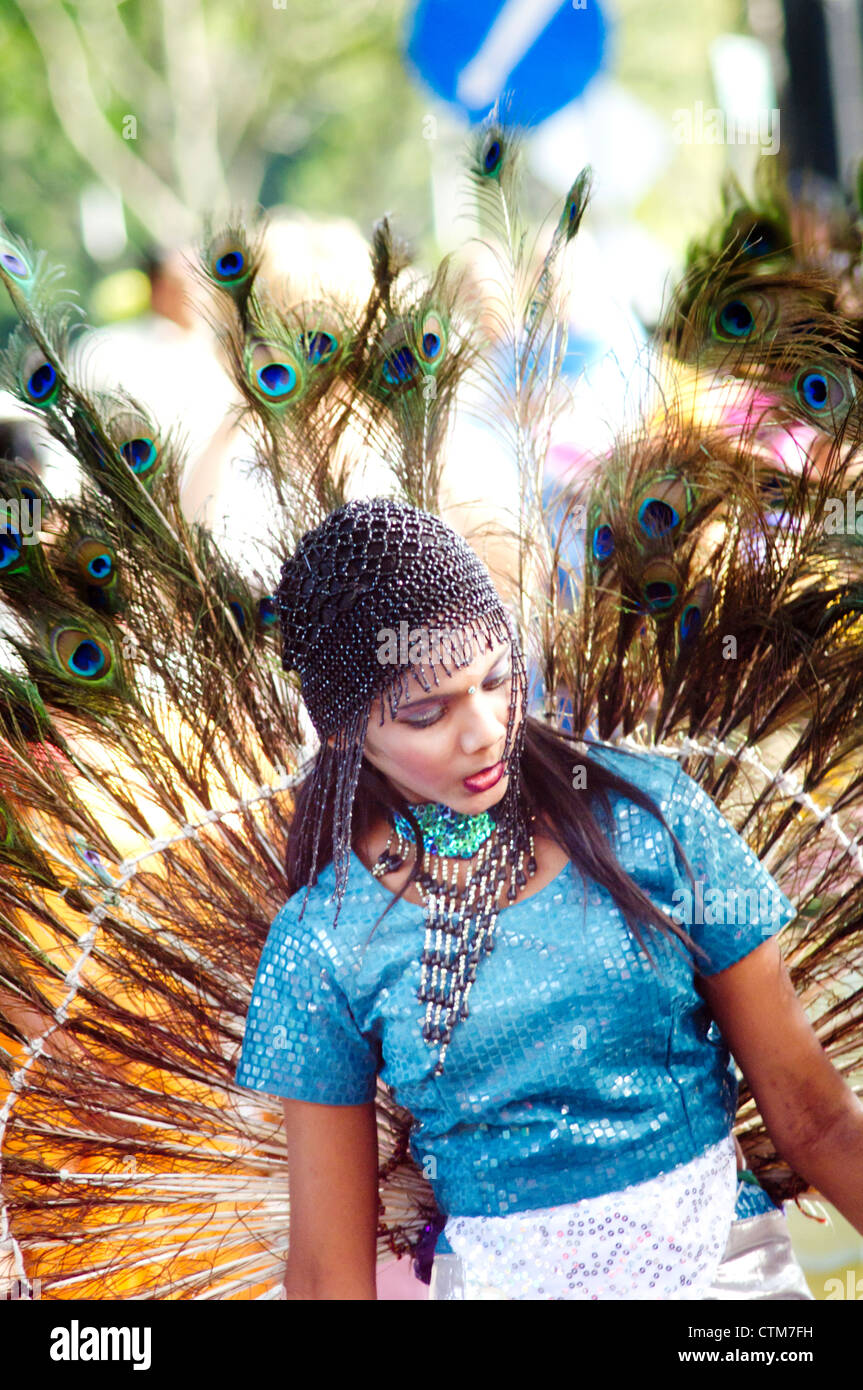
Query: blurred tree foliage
column 184, row 107
column 665, row 62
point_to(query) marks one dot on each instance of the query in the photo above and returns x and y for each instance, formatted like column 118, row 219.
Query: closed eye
column 495, row 681
column 437, row 712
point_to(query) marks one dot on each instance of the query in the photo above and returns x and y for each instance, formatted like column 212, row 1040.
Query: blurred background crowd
column 126, row 124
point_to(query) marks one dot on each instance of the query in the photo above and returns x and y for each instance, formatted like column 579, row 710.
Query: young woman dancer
column 545, row 948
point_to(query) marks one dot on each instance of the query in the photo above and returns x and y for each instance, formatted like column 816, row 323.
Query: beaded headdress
column 373, row 570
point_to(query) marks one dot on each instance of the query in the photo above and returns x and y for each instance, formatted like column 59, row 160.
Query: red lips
column 481, row 781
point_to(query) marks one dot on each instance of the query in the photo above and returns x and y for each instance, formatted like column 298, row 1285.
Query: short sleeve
column 301, row 1040
column 735, row 904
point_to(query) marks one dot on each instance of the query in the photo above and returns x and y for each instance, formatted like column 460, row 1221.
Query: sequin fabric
column 453, row 834
column 660, row 1239
column 581, row 1070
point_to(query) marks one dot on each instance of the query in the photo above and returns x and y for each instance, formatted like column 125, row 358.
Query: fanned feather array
column 149, row 740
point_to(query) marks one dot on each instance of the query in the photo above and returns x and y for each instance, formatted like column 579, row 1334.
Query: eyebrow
column 436, row 699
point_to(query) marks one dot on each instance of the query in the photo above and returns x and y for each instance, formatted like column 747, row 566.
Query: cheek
column 418, row 757
column 423, row 754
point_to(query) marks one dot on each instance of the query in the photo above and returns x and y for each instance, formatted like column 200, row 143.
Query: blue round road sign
column 540, row 53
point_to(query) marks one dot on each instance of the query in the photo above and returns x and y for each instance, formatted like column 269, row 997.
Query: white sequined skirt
column 662, row 1239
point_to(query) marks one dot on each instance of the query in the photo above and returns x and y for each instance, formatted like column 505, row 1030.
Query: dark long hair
column 579, row 820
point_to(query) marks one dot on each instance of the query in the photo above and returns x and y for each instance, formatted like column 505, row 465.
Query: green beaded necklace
column 451, row 834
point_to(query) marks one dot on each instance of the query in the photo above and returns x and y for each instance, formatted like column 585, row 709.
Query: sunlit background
column 125, row 125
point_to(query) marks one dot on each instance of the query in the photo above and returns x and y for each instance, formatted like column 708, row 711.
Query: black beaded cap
column 371, row 565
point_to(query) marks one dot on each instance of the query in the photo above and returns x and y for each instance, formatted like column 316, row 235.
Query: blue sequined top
column 580, row 1069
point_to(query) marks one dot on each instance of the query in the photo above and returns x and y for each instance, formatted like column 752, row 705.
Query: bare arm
column 333, row 1168
column 812, row 1115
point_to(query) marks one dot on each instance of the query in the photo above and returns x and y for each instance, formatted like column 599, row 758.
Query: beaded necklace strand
column 453, row 949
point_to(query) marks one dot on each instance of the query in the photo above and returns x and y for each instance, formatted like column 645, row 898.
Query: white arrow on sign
column 518, row 25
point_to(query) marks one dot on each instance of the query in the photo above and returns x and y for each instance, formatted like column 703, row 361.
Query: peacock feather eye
column 275, row 375
column 735, row 319
column 318, row 334
column 576, row 202
column 231, row 265
column 491, row 160
column 267, row 610
column 820, row 390
column 318, row 347
column 80, row 654
column 136, row 443
column 432, row 340
column 15, row 262
column 814, row 390
column 400, row 367
column 41, row 384
column 659, row 594
column 698, row 604
column 691, row 622
column 95, row 562
column 40, row 381
column 140, row 454
column 228, row 261
column 277, row 378
column 746, row 316
column 93, row 860
column 762, row 238
column 663, row 504
column 656, row 517
column 602, row 544
column 660, row 586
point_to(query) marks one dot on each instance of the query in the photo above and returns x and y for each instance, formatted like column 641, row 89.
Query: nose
column 480, row 726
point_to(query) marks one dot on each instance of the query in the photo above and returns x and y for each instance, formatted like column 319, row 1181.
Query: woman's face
column 438, row 740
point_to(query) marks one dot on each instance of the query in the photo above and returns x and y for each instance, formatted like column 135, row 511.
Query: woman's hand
column 813, row 1117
